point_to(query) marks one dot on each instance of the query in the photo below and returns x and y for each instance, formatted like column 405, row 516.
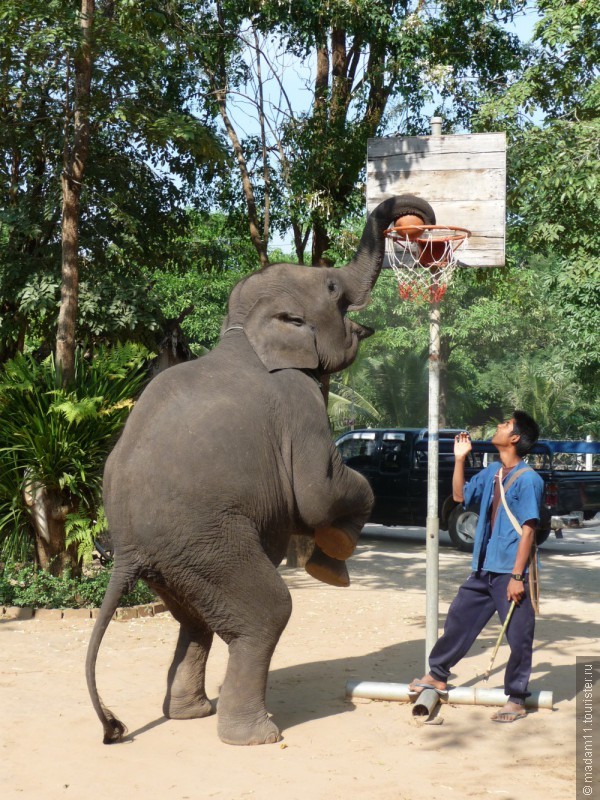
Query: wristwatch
column 517, row 577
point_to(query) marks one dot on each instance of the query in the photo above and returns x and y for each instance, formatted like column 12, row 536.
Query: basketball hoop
column 423, row 258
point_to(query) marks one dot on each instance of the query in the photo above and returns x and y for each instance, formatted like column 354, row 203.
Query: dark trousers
column 472, row 608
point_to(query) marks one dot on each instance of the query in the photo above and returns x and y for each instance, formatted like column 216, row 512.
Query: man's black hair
column 527, row 429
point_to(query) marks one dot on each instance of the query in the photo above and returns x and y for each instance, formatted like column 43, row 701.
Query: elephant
column 221, row 460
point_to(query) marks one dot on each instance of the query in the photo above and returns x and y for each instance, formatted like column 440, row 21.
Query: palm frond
column 61, row 437
column 347, row 407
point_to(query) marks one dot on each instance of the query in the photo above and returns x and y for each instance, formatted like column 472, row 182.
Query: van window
column 393, row 455
column 356, row 449
column 445, row 460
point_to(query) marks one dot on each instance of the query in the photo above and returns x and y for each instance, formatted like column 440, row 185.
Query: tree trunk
column 320, row 243
column 220, row 82
column 300, row 240
column 69, row 290
column 74, row 163
column 322, row 75
column 48, row 516
column 258, row 241
column 300, row 550
column 444, row 357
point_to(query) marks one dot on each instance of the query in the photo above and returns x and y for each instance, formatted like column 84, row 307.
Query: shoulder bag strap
column 514, row 477
column 534, row 582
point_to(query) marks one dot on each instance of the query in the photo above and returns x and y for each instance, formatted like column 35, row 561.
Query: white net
column 423, row 259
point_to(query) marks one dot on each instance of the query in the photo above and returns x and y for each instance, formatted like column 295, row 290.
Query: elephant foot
column 327, row 570
column 335, row 542
column 238, row 731
column 187, row 708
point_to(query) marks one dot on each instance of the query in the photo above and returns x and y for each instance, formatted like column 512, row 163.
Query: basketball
column 409, row 227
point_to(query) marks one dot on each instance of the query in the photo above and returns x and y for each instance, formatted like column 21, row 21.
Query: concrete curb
column 18, row 613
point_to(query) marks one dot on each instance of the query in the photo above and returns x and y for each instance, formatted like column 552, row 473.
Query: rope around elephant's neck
column 233, row 328
column 312, row 375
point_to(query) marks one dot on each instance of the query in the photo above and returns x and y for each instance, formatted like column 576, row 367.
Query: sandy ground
column 332, row 748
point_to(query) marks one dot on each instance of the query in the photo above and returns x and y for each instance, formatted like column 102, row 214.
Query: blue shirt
column 524, row 498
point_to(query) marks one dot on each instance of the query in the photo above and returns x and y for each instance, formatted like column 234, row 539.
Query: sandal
column 418, row 685
column 508, row 716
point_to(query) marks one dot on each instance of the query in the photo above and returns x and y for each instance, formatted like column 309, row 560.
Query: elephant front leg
column 339, row 539
column 326, row 569
column 186, row 696
column 335, row 502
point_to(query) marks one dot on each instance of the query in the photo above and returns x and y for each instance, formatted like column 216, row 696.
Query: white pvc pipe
column 461, row 695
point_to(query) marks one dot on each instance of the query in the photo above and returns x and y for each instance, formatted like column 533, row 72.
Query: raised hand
column 462, row 445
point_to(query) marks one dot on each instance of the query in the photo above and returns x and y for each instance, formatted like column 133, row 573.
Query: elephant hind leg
column 186, row 694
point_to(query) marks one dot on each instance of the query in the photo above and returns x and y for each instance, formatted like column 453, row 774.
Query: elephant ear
column 280, row 336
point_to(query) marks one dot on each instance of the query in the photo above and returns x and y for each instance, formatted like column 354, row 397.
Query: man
column 500, row 562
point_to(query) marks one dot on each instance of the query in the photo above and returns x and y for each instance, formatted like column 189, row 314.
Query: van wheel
column 541, row 536
column 461, row 528
column 545, row 527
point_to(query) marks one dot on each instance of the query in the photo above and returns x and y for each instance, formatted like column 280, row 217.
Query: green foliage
column 556, row 204
column 554, row 177
column 149, row 154
column 206, row 261
column 546, row 386
column 25, row 586
column 367, row 66
column 398, row 384
column 525, row 335
column 347, row 408
column 60, row 438
column 500, row 344
column 82, row 532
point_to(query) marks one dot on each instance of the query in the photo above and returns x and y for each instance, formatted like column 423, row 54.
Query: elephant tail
column 121, row 580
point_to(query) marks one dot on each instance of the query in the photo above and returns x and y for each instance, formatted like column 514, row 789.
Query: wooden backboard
column 462, row 176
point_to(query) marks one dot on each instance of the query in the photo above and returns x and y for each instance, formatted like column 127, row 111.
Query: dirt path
column 332, row 748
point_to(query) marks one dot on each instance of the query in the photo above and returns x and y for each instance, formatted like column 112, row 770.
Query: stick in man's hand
column 500, row 637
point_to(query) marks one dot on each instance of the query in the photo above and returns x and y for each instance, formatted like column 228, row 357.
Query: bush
column 57, row 439
column 25, row 586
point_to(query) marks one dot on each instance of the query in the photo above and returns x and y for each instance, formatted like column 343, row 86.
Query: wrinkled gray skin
column 221, row 461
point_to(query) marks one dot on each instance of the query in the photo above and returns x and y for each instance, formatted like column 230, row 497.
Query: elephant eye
column 292, row 319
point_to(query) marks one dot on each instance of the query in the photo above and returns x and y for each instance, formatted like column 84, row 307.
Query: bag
column 534, row 576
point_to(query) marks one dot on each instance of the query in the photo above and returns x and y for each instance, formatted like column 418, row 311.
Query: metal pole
column 589, row 458
column 433, row 523
column 436, row 125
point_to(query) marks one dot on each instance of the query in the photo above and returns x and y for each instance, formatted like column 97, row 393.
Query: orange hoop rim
column 397, row 233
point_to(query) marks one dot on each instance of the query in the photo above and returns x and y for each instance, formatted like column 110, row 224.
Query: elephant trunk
column 363, row 270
